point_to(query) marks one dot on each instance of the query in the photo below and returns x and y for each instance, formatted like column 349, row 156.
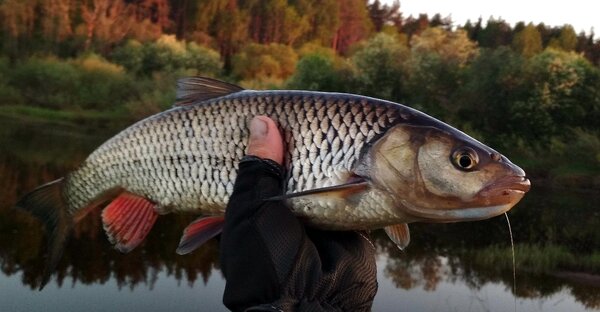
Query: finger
column 265, row 140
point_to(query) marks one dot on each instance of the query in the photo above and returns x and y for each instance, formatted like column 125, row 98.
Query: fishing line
column 512, row 246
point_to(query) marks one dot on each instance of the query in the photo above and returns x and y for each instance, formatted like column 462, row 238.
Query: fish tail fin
column 48, row 205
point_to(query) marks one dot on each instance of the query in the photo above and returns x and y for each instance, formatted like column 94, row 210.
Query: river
column 447, row 267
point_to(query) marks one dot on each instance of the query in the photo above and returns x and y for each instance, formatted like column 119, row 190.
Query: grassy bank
column 537, row 259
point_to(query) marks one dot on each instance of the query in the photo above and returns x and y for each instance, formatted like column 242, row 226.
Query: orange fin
column 199, row 232
column 127, row 220
column 399, row 234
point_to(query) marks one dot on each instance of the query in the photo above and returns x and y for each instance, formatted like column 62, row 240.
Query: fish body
column 186, row 158
column 352, row 163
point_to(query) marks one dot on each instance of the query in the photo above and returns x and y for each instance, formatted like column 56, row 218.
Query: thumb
column 265, row 140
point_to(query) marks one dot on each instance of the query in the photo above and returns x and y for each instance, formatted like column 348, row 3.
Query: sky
column 581, row 14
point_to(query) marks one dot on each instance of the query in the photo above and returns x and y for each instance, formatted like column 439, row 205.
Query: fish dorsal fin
column 341, row 190
column 197, row 89
column 399, row 234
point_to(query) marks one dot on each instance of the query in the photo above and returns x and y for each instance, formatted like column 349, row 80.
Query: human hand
column 271, row 262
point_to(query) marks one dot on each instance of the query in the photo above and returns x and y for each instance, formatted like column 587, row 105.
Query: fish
column 352, row 162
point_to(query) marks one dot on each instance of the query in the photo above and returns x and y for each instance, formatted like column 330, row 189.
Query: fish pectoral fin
column 127, row 220
column 342, row 190
column 197, row 89
column 399, row 234
column 199, row 232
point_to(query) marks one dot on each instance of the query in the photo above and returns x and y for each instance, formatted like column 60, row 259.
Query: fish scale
column 186, row 158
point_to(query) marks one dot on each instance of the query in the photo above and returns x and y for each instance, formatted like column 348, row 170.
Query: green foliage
column 565, row 89
column 435, row 71
column 89, row 82
column 169, row 55
column 8, row 94
column 493, row 83
column 46, row 82
column 528, row 41
column 567, row 40
column 380, row 66
column 319, row 72
column 274, row 62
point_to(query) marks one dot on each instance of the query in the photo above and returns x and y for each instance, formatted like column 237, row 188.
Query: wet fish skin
column 185, row 159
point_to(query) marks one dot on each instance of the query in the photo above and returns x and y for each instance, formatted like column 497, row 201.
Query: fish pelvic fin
column 399, row 234
column 127, row 220
column 199, row 232
column 48, row 205
column 197, row 89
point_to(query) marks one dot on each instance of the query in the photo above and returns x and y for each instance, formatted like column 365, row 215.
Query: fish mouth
column 493, row 200
column 506, row 186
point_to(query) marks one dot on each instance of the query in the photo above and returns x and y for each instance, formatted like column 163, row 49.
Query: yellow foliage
column 93, row 62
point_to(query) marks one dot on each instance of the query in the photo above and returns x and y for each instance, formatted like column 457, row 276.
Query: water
column 447, row 267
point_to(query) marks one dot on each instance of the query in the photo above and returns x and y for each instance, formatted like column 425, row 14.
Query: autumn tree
column 323, row 20
column 415, row 26
column 435, row 69
column 528, row 42
column 386, row 14
column 567, row 39
column 354, row 26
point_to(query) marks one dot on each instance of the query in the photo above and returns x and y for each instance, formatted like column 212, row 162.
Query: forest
column 531, row 91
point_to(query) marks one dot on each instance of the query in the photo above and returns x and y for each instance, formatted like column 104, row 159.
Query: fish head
column 439, row 174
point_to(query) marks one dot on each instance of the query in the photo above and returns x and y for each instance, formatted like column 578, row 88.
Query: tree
column 380, row 67
column 270, row 62
column 56, row 19
column 493, row 83
column 528, row 42
column 355, row 24
column 496, row 33
column 321, row 71
column 108, row 21
column 382, row 15
column 566, row 41
column 451, row 46
column 323, row 20
column 435, row 70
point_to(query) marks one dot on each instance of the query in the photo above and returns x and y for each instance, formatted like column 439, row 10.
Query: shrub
column 102, row 85
column 47, row 82
column 8, row 94
column 89, row 82
column 264, row 62
column 319, row 72
column 167, row 55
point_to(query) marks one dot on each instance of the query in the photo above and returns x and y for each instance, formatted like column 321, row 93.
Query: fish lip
column 506, row 185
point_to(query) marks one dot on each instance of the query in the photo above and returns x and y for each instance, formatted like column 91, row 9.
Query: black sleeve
column 272, row 263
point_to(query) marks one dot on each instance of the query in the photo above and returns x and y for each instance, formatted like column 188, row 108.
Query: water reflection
column 556, row 234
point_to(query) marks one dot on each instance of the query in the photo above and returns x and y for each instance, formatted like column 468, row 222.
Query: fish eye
column 465, row 158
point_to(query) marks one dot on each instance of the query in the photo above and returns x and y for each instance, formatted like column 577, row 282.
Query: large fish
column 353, row 162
